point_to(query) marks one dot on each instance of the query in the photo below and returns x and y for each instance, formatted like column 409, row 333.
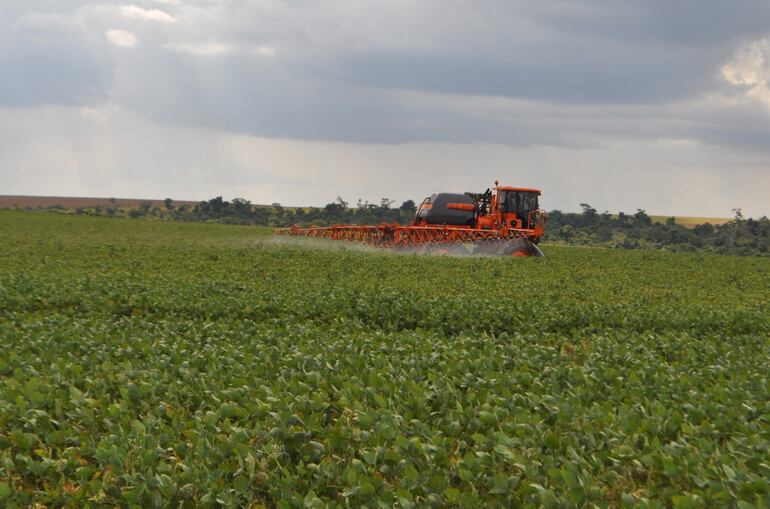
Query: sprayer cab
column 504, row 208
column 518, row 206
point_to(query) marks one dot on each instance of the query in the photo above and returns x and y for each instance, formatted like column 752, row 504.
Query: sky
column 658, row 105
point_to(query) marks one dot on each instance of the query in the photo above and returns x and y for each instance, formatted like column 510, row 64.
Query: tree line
column 739, row 236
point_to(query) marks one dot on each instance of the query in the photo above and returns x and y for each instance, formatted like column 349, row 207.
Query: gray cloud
column 582, row 77
column 49, row 58
column 684, row 23
column 342, row 70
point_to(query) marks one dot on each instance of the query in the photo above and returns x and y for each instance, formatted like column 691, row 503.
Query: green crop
column 149, row 363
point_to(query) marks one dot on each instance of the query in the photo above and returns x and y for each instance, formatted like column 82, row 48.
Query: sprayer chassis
column 507, row 221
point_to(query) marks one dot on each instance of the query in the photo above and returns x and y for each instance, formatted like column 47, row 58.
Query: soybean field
column 165, row 364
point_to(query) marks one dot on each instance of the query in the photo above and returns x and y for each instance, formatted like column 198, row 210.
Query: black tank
column 440, row 214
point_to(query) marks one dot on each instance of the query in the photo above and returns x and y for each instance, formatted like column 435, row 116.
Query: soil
column 35, row 202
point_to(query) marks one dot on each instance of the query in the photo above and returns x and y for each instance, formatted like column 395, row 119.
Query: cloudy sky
column 656, row 104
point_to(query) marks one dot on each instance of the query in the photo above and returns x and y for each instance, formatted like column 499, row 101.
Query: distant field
column 170, row 364
column 8, row 202
column 692, row 221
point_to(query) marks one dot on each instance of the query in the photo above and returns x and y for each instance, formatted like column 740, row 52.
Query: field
column 692, row 222
column 153, row 363
column 68, row 202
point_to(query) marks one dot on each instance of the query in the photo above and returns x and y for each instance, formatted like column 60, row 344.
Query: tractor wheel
column 522, row 247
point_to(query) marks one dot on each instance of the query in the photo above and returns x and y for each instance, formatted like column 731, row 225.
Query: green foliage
column 745, row 237
column 149, row 363
column 243, row 212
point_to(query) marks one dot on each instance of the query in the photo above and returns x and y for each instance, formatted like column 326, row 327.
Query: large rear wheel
column 522, row 247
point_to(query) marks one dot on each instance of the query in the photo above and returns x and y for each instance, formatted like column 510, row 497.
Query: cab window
column 520, row 203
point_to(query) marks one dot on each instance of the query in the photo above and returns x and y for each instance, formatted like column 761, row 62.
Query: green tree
column 641, row 218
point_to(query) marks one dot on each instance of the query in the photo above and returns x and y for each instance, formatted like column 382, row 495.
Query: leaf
column 139, row 427
column 687, row 502
column 352, row 491
column 479, row 438
column 240, row 483
column 311, row 501
column 391, row 457
column 366, row 488
column 405, row 503
column 166, row 485
column 570, row 479
column 487, row 417
column 499, row 484
column 364, row 421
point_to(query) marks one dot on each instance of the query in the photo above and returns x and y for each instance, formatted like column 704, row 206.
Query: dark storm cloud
column 518, row 73
column 694, row 23
column 603, row 52
column 267, row 97
column 574, row 73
